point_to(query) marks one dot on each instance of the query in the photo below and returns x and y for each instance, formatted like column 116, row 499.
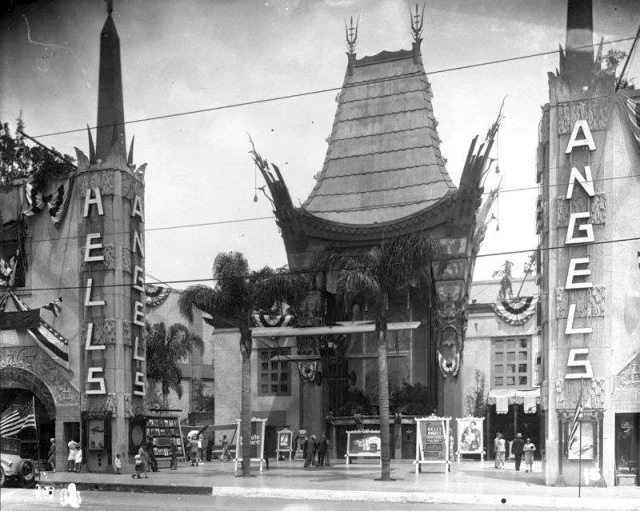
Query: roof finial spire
column 109, row 6
column 417, row 22
column 351, row 34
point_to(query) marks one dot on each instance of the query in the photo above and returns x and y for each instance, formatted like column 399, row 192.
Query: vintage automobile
column 12, row 466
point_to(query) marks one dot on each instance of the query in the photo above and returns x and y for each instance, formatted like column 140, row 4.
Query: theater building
column 588, row 161
column 79, row 237
column 383, row 175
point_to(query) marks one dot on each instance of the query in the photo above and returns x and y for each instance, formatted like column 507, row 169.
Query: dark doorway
column 513, row 422
column 627, row 447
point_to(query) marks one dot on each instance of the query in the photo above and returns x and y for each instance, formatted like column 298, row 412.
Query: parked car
column 12, row 466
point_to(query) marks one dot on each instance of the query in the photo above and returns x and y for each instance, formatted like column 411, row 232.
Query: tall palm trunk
column 246, row 343
column 383, row 397
column 165, row 399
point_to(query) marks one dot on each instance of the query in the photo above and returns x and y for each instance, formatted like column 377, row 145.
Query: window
column 274, row 372
column 511, row 363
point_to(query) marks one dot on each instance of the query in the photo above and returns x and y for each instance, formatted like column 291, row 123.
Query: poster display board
column 285, row 443
column 432, row 441
column 470, row 437
column 163, row 432
column 363, row 444
column 584, row 438
column 95, row 430
column 258, row 427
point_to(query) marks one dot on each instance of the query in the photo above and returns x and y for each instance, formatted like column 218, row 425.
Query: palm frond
column 201, row 297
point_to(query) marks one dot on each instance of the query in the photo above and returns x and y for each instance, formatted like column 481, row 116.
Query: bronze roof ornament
column 351, row 34
column 417, row 23
column 109, row 6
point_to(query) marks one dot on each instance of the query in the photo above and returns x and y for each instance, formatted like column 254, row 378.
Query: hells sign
column 94, row 252
column 579, row 267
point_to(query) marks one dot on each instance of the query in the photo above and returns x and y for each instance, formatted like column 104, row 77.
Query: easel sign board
column 363, row 444
column 470, row 436
column 432, row 441
column 257, row 442
column 285, row 439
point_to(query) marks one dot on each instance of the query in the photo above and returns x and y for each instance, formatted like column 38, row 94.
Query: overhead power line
column 309, row 272
column 323, row 91
column 364, row 208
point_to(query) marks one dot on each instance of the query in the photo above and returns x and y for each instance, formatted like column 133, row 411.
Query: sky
column 198, row 54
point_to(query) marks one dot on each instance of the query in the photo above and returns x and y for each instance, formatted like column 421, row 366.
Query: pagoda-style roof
column 383, row 162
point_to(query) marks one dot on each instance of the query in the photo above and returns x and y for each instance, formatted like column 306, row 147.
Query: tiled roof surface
column 383, row 162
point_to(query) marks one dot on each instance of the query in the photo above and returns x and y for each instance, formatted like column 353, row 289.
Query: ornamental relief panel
column 100, row 404
column 104, row 331
column 595, row 112
column 629, row 377
column 454, row 246
column 32, row 359
column 103, row 179
column 568, row 393
column 590, row 303
column 126, row 259
column 597, row 206
column 131, row 187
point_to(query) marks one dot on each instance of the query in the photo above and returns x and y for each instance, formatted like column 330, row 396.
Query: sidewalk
column 468, row 483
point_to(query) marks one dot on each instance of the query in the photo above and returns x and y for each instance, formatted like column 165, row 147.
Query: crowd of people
column 315, row 452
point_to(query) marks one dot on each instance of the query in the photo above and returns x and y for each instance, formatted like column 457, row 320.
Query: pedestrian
column 78, row 458
column 517, row 448
column 529, row 449
column 502, row 450
column 52, row 455
column 193, row 449
column 323, row 446
column 174, row 456
column 117, row 464
column 226, row 455
column 138, row 461
column 496, row 445
column 311, row 451
column 200, row 444
column 71, row 458
column 144, row 457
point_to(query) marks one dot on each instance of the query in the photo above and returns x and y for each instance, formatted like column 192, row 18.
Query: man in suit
column 517, row 448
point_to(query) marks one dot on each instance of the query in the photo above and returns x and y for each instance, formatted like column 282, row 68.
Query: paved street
column 469, row 484
column 15, row 499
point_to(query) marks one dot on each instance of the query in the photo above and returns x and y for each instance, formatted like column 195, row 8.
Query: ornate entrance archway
column 18, row 378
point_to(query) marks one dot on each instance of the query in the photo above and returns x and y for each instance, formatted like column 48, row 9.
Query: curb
column 525, row 501
column 134, row 488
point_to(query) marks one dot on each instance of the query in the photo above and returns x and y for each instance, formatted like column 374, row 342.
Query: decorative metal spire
column 417, row 22
column 351, row 34
column 109, row 6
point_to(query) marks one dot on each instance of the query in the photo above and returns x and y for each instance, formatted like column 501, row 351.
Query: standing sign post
column 258, row 427
column 285, row 438
column 432, row 442
column 470, row 437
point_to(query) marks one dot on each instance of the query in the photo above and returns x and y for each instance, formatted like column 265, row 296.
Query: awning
column 502, row 398
column 355, row 327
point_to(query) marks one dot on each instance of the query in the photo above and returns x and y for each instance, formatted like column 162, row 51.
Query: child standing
column 118, row 464
column 138, row 459
column 78, row 458
column 529, row 449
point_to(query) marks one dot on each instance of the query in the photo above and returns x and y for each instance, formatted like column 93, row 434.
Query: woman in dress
column 529, row 449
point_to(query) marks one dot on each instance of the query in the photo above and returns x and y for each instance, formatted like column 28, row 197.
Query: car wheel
column 27, row 471
column 3, row 478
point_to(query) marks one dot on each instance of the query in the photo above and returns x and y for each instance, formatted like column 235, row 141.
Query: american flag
column 576, row 419
column 17, row 417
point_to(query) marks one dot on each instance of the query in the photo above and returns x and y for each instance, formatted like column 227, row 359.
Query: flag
column 576, row 418
column 54, row 306
column 17, row 417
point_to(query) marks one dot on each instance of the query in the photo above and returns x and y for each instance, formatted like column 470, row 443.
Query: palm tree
column 371, row 276
column 236, row 295
column 165, row 348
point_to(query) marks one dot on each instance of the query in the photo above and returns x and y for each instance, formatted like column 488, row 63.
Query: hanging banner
column 516, row 311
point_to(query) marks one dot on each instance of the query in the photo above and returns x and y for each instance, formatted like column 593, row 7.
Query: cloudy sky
column 198, row 54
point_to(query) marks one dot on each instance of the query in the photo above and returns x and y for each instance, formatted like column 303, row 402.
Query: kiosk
column 363, row 444
column 432, row 442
